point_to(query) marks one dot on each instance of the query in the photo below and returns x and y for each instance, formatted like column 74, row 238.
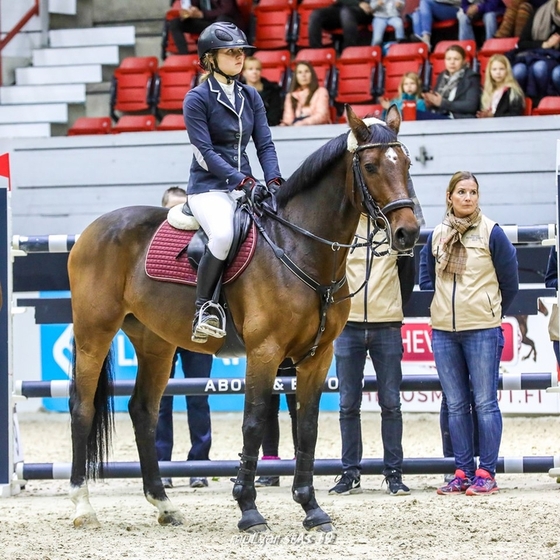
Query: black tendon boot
column 209, row 316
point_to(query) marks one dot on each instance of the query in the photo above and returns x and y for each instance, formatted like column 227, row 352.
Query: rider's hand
column 247, row 185
column 274, row 184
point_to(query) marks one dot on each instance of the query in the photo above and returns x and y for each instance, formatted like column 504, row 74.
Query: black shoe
column 198, row 482
column 167, row 482
column 264, row 481
column 395, row 485
column 347, row 483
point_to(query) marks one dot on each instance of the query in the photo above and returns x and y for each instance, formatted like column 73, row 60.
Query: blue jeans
column 466, row 29
column 465, row 360
column 198, row 411
column 384, row 346
column 541, row 76
column 381, row 23
column 427, row 11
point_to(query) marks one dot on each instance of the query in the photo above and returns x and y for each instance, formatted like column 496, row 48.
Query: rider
column 221, row 115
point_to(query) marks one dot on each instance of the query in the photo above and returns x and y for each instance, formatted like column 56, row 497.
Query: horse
column 279, row 311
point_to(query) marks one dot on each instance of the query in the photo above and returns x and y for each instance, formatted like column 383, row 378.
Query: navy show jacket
column 219, row 134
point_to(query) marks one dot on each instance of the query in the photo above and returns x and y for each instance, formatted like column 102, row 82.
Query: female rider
column 221, row 115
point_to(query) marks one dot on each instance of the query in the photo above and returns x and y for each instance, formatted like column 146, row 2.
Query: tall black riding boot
column 209, row 317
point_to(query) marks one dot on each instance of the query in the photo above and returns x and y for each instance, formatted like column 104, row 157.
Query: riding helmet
column 221, row 35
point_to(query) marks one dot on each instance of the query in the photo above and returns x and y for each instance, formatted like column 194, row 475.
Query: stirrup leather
column 209, row 321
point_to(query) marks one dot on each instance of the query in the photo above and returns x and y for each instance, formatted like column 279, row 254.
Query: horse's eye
column 370, row 168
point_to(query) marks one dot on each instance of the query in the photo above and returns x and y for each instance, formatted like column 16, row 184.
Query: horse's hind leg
column 310, row 378
column 155, row 359
column 258, row 388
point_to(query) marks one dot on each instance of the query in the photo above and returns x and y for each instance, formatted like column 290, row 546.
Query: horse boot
column 209, row 318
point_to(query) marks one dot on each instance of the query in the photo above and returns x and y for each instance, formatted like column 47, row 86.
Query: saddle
column 174, row 253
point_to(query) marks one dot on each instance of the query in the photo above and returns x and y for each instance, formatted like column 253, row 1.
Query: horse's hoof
column 252, row 522
column 174, row 518
column 318, row 520
column 88, row 521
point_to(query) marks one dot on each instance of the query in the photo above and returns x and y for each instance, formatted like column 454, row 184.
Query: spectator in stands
column 429, row 10
column 387, row 12
column 199, row 16
column 221, row 117
column 536, row 62
column 270, row 92
column 502, row 96
column 551, row 281
column 348, row 14
column 515, row 17
column 410, row 89
column 475, row 10
column 457, row 91
column 306, row 103
column 472, row 267
column 374, row 328
column 271, row 437
column 193, row 365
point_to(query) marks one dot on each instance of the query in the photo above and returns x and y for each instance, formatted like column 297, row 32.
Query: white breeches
column 214, row 212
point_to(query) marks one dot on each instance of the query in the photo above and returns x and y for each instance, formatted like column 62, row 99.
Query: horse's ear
column 393, row 118
column 357, row 125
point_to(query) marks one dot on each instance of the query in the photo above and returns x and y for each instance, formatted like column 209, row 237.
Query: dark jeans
column 271, row 438
column 198, row 411
column 446, row 442
column 195, row 26
column 334, row 17
column 385, row 349
column 471, row 359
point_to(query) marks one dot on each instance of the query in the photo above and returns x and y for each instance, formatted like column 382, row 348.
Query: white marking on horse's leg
column 168, row 514
column 85, row 514
column 391, row 155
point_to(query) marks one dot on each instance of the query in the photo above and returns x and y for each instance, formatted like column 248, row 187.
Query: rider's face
column 230, row 61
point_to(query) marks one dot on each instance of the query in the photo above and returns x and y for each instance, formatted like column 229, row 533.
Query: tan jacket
column 380, row 300
column 473, row 300
column 317, row 112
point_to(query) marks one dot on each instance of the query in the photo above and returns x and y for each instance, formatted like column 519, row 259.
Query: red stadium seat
column 275, row 65
column 322, row 61
column 402, row 58
column 272, row 23
column 301, row 25
column 131, row 88
column 356, row 75
column 90, row 125
column 528, row 110
column 437, row 58
column 135, row 123
column 177, row 75
column 173, row 121
column 492, row 47
column 548, row 106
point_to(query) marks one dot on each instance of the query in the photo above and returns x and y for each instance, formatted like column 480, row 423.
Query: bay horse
column 276, row 313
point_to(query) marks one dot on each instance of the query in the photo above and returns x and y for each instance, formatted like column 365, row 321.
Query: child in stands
column 410, row 89
column 502, row 96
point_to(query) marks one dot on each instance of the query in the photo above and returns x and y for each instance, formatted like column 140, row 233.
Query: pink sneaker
column 483, row 483
column 456, row 486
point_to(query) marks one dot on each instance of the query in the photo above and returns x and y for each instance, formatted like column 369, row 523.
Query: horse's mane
column 321, row 161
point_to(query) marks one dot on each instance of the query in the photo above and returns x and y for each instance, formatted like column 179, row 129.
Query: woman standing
column 472, row 267
column 457, row 91
column 221, row 116
column 502, row 96
column 306, row 103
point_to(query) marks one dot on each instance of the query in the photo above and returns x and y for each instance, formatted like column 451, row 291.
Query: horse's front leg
column 258, row 388
column 310, row 378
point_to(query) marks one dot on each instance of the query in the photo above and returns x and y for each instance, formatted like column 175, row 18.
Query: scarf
column 453, row 259
column 543, row 22
column 450, row 81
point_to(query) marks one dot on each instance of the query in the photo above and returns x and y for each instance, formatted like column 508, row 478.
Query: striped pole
column 330, row 467
column 236, row 385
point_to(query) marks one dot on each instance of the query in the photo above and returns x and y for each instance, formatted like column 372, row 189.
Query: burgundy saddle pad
column 167, row 260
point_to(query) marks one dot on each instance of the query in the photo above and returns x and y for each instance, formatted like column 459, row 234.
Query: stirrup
column 211, row 317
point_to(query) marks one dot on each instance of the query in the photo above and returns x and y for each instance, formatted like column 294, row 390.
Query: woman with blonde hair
column 502, row 96
column 306, row 103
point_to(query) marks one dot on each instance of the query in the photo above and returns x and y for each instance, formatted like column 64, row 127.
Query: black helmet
column 221, row 35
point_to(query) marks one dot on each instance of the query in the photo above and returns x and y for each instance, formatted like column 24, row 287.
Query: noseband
column 367, row 201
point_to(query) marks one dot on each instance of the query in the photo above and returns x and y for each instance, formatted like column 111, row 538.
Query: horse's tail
column 99, row 438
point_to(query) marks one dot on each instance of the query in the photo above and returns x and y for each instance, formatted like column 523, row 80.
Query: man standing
column 374, row 327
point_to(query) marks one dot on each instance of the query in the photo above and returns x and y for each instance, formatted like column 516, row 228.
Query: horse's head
column 380, row 176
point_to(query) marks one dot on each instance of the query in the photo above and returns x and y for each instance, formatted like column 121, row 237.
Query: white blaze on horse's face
column 391, row 155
